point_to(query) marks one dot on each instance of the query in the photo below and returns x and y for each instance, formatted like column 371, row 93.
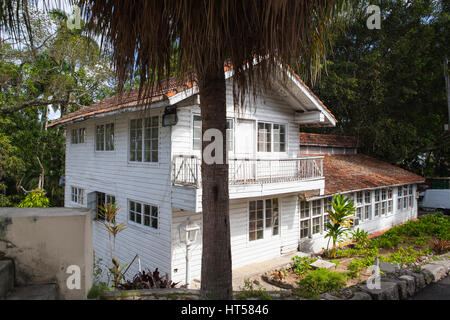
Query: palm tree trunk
column 216, row 278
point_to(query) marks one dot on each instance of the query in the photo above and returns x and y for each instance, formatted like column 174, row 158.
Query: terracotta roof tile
column 345, row 173
column 328, row 140
column 127, row 99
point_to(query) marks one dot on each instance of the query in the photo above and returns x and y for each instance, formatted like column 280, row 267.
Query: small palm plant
column 341, row 219
column 108, row 213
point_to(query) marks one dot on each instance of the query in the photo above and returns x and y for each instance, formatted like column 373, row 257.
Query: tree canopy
column 387, row 86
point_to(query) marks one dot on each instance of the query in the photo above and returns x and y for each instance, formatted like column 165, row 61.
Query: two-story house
column 123, row 150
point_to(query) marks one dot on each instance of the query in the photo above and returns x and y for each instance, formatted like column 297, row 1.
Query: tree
column 341, row 217
column 47, row 68
column 250, row 36
column 387, row 88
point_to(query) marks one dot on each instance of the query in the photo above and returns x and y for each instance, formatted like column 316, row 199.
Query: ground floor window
column 264, row 219
column 143, row 214
column 77, row 195
column 103, row 199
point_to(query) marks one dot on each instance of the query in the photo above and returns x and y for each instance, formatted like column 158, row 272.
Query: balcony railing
column 187, row 170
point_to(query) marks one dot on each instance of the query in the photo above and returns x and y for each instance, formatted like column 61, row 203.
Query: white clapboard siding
column 243, row 251
column 111, row 173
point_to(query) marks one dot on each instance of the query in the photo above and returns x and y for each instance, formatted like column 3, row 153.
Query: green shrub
column 360, row 237
column 249, row 291
column 357, row 265
column 320, row 281
column 302, row 264
column 35, row 199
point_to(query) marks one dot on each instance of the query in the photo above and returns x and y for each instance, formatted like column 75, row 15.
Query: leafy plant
column 441, row 246
column 360, row 237
column 108, row 213
column 249, row 291
column 148, row 280
column 320, row 281
column 35, row 199
column 341, row 217
column 302, row 264
column 358, row 264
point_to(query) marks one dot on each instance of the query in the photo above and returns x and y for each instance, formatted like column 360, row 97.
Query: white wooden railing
column 187, row 170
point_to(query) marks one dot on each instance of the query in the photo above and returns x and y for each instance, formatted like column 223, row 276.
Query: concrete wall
column 44, row 242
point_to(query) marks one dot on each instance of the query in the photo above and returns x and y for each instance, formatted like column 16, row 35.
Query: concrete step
column 34, row 292
column 6, row 277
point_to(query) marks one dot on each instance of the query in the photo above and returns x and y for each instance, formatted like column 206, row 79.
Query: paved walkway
column 252, row 270
column 435, row 291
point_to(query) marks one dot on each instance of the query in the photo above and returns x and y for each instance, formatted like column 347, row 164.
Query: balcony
column 187, row 171
column 247, row 179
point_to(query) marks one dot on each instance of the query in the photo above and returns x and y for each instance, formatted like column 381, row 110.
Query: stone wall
column 44, row 243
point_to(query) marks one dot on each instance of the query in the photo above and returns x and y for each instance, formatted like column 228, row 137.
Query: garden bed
column 408, row 246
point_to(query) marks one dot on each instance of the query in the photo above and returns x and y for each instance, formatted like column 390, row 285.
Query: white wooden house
column 118, row 150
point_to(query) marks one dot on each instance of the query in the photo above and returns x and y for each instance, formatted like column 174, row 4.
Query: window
column 144, row 214
column 78, row 136
column 230, row 135
column 377, row 209
column 359, row 197
column 102, row 200
column 271, row 137
column 367, row 197
column 328, row 204
column 197, row 133
column 77, row 195
column 263, row 217
column 304, row 229
column 367, row 212
column 326, row 219
column 312, row 216
column 144, row 138
column 316, row 224
column 104, row 137
column 304, row 210
column 317, row 207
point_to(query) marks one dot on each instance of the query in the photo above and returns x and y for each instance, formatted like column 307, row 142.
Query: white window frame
column 142, row 214
column 267, row 231
column 77, row 195
column 193, row 146
column 78, row 136
column 313, row 206
column 272, row 135
column 143, row 140
column 105, row 124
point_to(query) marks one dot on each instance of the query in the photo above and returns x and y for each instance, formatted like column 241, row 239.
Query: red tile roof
column 126, row 100
column 131, row 99
column 344, row 173
column 328, row 140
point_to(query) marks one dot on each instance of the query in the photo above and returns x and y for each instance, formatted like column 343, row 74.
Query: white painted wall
column 111, row 173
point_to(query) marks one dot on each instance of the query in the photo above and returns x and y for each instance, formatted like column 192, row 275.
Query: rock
column 402, row 288
column 389, row 267
column 327, row 296
column 434, row 271
column 443, row 263
column 359, row 295
column 410, row 284
column 346, row 293
column 419, row 279
column 323, row 264
column 387, row 291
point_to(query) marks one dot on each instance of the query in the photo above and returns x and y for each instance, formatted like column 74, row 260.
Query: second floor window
column 104, row 137
column 271, row 137
column 144, row 138
column 78, row 136
column 197, row 133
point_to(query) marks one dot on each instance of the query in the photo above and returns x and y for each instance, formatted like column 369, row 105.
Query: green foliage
column 320, row 281
column 340, row 220
column 52, row 63
column 360, row 237
column 404, row 256
column 249, row 291
column 302, row 264
column 35, row 199
column 441, row 246
column 387, row 86
column 358, row 264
